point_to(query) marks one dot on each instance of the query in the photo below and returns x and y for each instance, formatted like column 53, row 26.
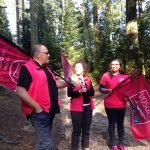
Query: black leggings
column 81, row 121
column 116, row 115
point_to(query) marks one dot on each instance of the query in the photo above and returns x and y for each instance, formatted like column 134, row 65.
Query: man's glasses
column 46, row 53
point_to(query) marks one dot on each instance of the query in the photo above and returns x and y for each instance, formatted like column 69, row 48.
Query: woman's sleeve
column 71, row 92
column 90, row 92
column 101, row 87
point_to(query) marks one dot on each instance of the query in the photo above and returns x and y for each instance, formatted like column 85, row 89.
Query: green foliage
column 71, row 37
column 47, row 30
column 25, row 32
column 66, row 28
column 87, row 33
column 25, row 29
column 112, row 33
column 144, row 28
column 26, row 35
column 4, row 24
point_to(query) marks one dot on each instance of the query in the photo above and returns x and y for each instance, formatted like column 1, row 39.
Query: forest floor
column 17, row 134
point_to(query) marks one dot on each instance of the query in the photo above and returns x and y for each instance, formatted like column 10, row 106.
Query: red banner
column 67, row 69
column 138, row 93
column 11, row 59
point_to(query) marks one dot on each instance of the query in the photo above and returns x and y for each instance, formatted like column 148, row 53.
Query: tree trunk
column 23, row 25
column 33, row 18
column 140, row 25
column 96, row 40
column 132, row 42
column 63, row 15
column 18, row 21
column 84, row 30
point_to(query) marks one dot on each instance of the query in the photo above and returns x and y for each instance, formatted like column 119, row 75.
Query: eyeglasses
column 46, row 53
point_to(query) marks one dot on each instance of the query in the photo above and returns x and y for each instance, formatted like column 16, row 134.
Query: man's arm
column 27, row 99
column 61, row 83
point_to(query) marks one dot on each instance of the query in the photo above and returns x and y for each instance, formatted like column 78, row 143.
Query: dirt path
column 17, row 134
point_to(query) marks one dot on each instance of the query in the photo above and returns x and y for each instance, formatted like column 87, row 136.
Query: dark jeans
column 116, row 115
column 81, row 121
column 42, row 122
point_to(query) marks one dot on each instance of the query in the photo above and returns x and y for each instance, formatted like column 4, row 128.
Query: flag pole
column 63, row 79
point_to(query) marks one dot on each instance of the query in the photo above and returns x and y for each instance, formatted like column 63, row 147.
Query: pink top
column 76, row 103
column 38, row 89
column 113, row 100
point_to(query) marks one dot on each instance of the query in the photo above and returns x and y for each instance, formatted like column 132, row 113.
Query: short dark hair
column 35, row 49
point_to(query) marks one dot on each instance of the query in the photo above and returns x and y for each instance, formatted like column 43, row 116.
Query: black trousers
column 81, row 122
column 116, row 116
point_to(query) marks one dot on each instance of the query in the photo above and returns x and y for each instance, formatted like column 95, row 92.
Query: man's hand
column 38, row 109
column 27, row 99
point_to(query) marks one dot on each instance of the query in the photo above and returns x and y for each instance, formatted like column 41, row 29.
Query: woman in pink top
column 81, row 106
column 115, row 106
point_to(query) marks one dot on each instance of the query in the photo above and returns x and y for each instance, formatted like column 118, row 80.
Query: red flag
column 67, row 69
column 11, row 59
column 138, row 93
column 132, row 75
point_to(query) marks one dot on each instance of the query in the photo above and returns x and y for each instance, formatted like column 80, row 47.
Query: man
column 38, row 89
